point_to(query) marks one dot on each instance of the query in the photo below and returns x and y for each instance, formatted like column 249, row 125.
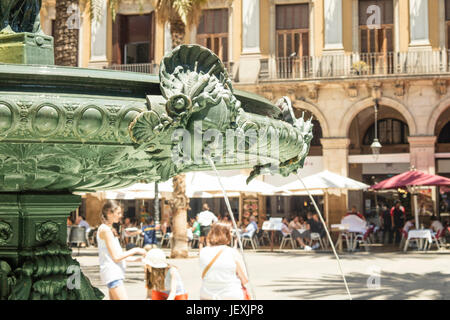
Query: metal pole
column 416, row 205
column 227, row 202
column 328, row 234
column 376, row 118
column 156, row 208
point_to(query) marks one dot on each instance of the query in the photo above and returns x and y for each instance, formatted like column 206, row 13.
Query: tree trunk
column 177, row 31
column 66, row 40
column 179, row 206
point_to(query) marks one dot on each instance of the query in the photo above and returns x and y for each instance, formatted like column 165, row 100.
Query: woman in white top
column 223, row 274
column 111, row 256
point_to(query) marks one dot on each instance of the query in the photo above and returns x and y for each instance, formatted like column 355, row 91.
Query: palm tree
column 66, row 40
column 179, row 14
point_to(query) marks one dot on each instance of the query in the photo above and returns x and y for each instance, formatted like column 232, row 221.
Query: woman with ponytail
column 112, row 257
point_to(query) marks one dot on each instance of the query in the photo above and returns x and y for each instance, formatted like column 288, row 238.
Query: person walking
column 111, row 256
column 205, row 218
column 223, row 274
column 163, row 281
column 386, row 224
column 397, row 220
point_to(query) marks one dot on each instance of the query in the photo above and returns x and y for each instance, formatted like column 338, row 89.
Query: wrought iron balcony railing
column 136, row 67
column 356, row 65
column 152, row 68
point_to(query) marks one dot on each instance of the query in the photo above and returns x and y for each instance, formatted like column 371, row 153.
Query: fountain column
column 35, row 262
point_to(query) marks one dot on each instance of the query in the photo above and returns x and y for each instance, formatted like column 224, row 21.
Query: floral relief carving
column 6, row 232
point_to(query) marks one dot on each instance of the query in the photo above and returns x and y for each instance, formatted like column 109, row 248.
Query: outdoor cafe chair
column 404, row 238
column 316, row 237
column 345, row 236
column 140, row 241
column 167, row 237
column 264, row 237
column 195, row 240
column 287, row 238
column 437, row 239
column 77, row 236
column 363, row 240
column 248, row 240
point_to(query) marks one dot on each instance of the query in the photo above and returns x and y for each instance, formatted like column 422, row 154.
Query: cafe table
column 349, row 233
column 420, row 236
column 342, row 229
column 272, row 225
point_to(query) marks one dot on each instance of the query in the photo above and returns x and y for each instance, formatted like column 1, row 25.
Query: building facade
column 335, row 59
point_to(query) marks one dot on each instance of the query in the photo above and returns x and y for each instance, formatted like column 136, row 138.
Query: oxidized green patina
column 21, row 37
column 65, row 129
column 68, row 129
column 20, row 16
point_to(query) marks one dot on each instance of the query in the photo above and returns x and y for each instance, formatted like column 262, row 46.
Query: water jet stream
column 230, row 212
column 328, row 234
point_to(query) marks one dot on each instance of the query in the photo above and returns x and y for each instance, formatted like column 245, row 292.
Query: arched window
column 444, row 135
column 390, row 131
column 317, row 133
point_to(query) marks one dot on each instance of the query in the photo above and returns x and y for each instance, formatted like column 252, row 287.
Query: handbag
column 211, row 263
column 246, row 294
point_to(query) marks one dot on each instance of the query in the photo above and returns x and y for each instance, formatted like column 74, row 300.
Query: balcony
column 153, row 68
column 355, row 65
column 137, row 67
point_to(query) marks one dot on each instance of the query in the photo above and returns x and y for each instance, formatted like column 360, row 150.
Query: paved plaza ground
column 295, row 274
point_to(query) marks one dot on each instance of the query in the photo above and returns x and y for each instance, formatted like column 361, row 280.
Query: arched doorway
column 393, row 132
column 316, row 146
column 442, row 133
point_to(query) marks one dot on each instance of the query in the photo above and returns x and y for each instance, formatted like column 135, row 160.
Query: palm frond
column 188, row 11
column 95, row 7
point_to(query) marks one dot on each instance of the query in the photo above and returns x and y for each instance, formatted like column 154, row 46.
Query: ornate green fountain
column 64, row 130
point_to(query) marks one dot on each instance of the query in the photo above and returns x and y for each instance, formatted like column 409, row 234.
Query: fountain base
column 35, row 262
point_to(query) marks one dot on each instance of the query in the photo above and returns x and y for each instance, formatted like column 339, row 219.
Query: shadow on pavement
column 393, row 286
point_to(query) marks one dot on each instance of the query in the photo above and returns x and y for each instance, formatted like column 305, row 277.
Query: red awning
column 412, row 178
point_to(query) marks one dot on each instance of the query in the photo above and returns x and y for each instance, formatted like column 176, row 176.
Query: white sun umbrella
column 324, row 180
column 139, row 191
column 205, row 182
column 301, row 193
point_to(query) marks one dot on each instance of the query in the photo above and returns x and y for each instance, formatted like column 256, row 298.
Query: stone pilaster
column 335, row 159
column 421, row 151
column 99, row 39
column 249, row 62
column 335, row 155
